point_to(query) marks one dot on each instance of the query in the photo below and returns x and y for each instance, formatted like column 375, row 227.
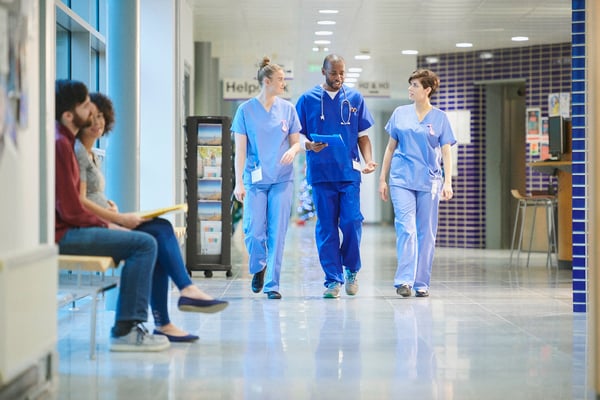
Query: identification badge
column 434, row 189
column 356, row 165
column 256, row 175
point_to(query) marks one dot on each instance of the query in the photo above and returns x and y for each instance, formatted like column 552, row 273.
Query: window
column 81, row 43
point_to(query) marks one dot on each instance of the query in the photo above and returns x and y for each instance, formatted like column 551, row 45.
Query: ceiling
column 241, row 32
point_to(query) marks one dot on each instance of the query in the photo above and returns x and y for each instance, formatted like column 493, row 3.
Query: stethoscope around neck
column 345, row 104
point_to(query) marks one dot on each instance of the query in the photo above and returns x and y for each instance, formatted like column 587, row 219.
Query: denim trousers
column 169, row 264
column 137, row 249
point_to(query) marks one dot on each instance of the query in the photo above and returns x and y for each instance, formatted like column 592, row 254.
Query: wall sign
column 239, row 89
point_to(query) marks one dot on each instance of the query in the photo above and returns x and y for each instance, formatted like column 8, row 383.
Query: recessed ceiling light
column 349, row 84
column 323, row 33
column 322, row 42
column 315, row 49
column 325, row 48
column 362, row 57
column 519, row 38
column 355, row 69
column 326, row 22
column 352, row 74
column 465, row 44
column 432, row 60
column 328, row 11
column 409, row 52
column 351, row 80
column 486, row 55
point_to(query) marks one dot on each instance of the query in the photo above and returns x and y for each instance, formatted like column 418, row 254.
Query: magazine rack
column 209, row 173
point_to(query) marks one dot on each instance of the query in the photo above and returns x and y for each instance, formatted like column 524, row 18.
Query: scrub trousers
column 338, row 209
column 267, row 212
column 416, row 221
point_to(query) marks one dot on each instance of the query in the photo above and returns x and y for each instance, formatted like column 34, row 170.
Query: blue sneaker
column 332, row 291
column 351, row 285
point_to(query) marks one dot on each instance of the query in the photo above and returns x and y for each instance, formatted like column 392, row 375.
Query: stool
column 549, row 203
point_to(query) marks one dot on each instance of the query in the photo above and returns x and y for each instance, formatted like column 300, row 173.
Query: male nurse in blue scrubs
column 334, row 171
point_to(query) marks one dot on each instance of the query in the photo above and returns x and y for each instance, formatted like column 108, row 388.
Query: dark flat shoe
column 258, row 281
column 203, row 306
column 181, row 339
column 273, row 295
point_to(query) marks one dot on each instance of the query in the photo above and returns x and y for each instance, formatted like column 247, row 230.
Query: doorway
column 504, row 158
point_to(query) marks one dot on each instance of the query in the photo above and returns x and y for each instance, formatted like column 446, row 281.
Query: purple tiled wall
column 545, row 69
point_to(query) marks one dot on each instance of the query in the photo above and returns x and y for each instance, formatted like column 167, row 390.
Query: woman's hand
column 239, row 192
column 288, row 156
column 112, row 206
column 383, row 190
column 131, row 220
column 447, row 192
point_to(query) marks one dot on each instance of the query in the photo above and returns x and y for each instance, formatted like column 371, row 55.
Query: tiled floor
column 488, row 331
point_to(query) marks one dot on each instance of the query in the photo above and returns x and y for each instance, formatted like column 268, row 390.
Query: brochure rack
column 209, row 180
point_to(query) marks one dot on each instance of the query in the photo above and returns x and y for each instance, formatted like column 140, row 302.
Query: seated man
column 77, row 231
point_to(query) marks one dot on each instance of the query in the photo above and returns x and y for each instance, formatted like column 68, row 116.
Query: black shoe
column 273, row 295
column 422, row 293
column 403, row 290
column 203, row 306
column 258, row 281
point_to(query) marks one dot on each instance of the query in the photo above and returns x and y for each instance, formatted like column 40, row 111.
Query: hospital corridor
column 487, row 331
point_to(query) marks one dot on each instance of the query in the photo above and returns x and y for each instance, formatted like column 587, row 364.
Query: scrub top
column 416, row 162
column 267, row 135
column 334, row 162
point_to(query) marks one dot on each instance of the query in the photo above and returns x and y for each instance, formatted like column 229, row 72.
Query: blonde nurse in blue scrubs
column 267, row 131
column 419, row 163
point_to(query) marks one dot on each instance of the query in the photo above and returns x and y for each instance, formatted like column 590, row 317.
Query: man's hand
column 369, row 167
column 315, row 146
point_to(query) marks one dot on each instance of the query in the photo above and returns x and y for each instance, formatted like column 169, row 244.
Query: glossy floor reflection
column 488, row 331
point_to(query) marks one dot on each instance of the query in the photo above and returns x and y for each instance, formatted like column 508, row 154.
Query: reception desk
column 565, row 207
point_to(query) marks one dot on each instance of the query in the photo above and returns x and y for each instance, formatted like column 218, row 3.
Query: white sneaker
column 139, row 339
column 351, row 285
column 332, row 291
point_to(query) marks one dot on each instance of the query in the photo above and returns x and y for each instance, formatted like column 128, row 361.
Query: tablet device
column 331, row 140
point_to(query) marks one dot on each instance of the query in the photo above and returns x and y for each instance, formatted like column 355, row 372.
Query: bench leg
column 93, row 327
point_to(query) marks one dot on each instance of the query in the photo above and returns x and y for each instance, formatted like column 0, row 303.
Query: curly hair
column 105, row 106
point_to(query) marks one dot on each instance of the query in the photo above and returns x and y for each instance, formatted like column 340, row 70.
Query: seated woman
column 169, row 261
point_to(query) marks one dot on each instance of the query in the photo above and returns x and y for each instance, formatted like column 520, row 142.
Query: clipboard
column 331, row 140
column 160, row 211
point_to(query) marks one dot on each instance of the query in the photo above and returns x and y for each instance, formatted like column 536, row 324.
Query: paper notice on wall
column 460, row 121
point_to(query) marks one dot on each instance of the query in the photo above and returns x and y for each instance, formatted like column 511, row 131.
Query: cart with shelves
column 209, row 180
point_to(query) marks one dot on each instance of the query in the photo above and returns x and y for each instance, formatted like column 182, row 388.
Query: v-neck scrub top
column 267, row 134
column 416, row 162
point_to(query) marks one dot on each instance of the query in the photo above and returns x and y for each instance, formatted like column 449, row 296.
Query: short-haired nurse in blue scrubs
column 267, row 131
column 419, row 163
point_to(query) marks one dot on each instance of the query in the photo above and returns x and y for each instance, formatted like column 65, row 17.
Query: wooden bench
column 85, row 276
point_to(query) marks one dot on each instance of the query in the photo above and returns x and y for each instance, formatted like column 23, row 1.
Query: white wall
column 157, row 103
column 27, row 250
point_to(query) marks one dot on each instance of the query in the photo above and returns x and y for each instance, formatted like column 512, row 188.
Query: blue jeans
column 137, row 249
column 169, row 263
